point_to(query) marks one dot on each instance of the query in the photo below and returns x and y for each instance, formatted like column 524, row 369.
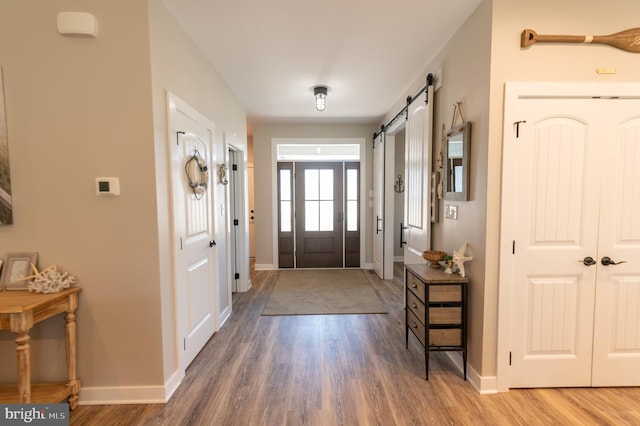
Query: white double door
column 574, row 185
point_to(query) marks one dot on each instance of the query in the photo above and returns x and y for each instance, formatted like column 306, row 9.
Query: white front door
column 418, row 135
column 195, row 251
column 570, row 184
column 378, row 205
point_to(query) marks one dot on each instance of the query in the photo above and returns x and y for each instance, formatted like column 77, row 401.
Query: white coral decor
column 50, row 280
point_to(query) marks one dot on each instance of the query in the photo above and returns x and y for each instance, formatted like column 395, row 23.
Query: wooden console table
column 19, row 311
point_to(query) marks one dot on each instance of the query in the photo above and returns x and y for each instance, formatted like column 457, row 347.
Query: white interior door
column 195, row 251
column 418, row 133
column 570, row 317
column 378, row 205
column 616, row 342
column 557, row 225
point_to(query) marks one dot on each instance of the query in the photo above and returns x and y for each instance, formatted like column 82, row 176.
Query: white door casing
column 195, row 278
column 418, row 135
column 378, row 205
column 234, row 256
column 365, row 207
column 389, row 219
column 560, row 319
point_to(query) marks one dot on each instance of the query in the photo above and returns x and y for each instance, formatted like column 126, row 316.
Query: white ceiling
column 273, row 52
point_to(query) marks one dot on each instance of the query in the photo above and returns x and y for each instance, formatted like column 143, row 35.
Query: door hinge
column 184, row 343
column 509, row 357
column 180, row 243
column 236, row 222
column 513, row 247
column 234, row 167
column 237, row 276
column 178, row 137
column 517, row 124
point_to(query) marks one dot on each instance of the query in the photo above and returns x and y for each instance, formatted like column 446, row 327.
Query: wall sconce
column 399, row 186
column 320, row 92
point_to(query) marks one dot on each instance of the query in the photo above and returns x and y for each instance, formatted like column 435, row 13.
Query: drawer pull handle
column 413, row 305
column 413, row 285
column 414, row 325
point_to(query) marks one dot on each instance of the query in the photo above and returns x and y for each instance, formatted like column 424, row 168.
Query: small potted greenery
column 448, row 260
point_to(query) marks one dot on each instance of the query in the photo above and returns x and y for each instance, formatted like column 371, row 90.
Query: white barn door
column 571, row 185
column 418, row 136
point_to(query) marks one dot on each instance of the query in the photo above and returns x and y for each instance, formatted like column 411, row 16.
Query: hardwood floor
column 346, row 370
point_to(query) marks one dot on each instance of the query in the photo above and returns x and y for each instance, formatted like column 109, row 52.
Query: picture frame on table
column 17, row 266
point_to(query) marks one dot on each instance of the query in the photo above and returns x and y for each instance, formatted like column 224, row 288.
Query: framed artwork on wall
column 16, row 268
column 6, row 208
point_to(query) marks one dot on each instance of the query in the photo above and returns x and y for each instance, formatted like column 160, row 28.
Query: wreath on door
column 197, row 173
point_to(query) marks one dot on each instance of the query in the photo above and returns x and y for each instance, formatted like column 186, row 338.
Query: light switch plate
column 451, row 212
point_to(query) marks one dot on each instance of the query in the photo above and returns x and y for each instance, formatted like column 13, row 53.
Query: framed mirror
column 456, row 152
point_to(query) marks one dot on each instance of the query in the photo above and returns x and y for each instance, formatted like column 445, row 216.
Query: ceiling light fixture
column 320, row 92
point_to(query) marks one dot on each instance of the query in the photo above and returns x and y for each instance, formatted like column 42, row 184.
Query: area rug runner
column 326, row 291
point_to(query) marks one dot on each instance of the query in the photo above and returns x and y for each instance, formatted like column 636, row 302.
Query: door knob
column 212, row 243
column 606, row 261
column 588, row 261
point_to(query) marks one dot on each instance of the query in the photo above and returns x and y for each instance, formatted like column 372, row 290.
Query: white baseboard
column 224, row 316
column 484, row 385
column 264, row 267
column 270, row 267
column 130, row 394
column 172, row 384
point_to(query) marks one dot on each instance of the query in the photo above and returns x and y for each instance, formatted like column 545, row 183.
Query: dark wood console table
column 436, row 311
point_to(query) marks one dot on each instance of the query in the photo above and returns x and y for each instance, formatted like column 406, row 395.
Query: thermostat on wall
column 107, row 186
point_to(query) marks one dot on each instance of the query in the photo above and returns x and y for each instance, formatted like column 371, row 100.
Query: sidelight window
column 352, row 199
column 286, row 200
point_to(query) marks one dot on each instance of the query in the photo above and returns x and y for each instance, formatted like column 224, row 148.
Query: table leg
column 23, row 352
column 70, row 339
column 20, row 324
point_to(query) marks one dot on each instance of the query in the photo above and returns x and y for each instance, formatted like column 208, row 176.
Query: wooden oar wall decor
column 628, row 40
